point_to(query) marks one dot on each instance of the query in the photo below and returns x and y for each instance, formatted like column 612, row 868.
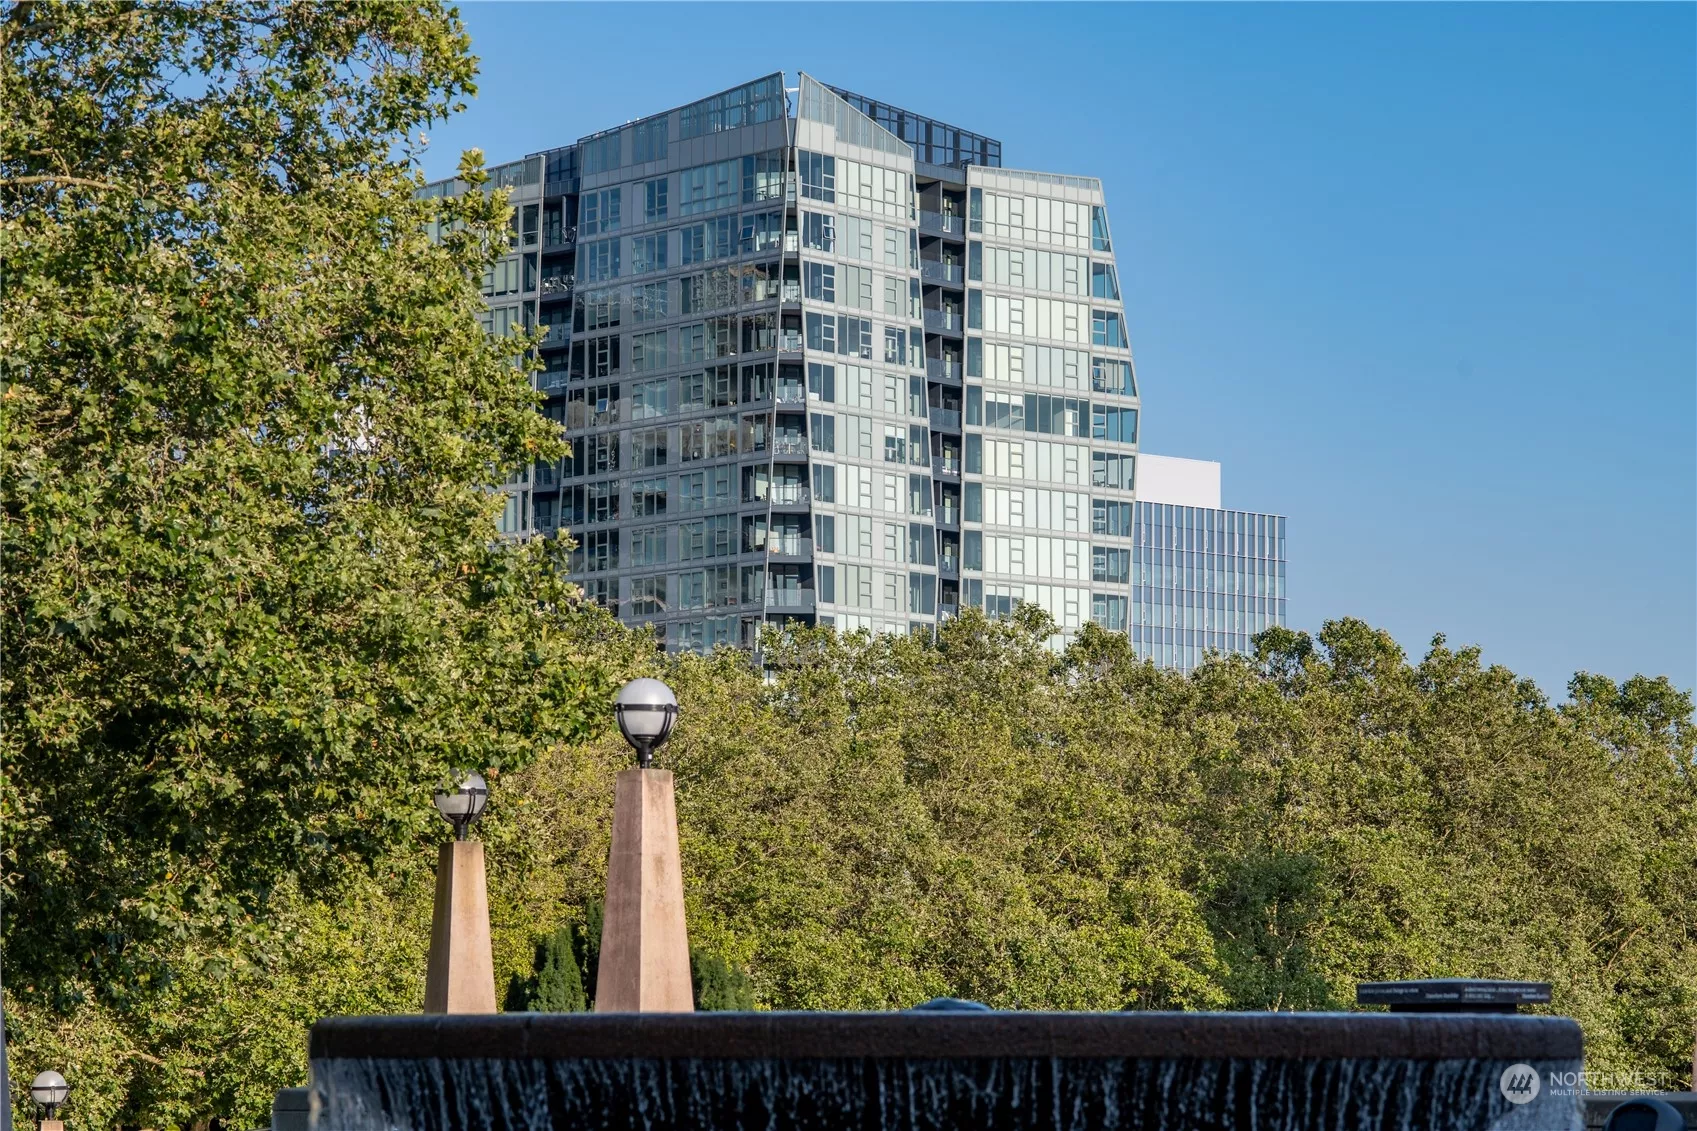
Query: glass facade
column 821, row 359
column 1203, row 580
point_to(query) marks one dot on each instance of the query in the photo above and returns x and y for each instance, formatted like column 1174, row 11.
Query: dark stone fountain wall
column 917, row 1071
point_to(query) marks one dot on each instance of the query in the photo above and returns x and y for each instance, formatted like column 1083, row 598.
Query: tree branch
column 49, row 178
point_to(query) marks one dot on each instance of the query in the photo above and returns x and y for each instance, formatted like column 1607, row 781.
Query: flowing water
column 908, row 1094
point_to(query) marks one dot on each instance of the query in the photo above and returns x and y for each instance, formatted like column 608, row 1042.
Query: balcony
column 557, row 335
column 948, row 516
column 790, row 446
column 946, row 467
column 942, row 369
column 941, row 223
column 791, row 293
column 948, row 566
column 549, row 380
column 558, row 285
column 789, row 342
column 790, row 495
column 792, row 394
column 944, row 321
column 558, row 239
column 946, row 611
column 945, row 419
column 782, row 546
column 935, row 272
column 797, row 599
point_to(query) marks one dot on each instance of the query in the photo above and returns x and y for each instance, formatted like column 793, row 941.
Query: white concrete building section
column 1178, row 482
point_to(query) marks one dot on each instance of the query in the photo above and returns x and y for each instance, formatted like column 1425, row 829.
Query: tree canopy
column 255, row 605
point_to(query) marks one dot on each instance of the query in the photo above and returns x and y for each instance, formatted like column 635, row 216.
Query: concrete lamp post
column 644, row 965
column 49, row 1090
column 461, row 974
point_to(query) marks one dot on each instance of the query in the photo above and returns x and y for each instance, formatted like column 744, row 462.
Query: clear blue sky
column 1421, row 276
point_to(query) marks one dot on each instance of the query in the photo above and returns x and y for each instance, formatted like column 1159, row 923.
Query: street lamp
column 49, row 1090
column 462, row 806
column 646, row 710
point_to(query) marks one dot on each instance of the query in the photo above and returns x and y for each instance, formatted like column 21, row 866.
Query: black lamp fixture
column 49, row 1090
column 646, row 710
column 462, row 805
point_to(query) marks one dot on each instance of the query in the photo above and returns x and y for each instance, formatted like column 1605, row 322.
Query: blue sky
column 1423, row 277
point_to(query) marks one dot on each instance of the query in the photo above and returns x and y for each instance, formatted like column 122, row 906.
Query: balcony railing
column 790, row 495
column 789, row 598
column 558, row 284
column 779, row 545
column 789, row 343
column 945, row 466
column 941, row 222
column 943, row 320
column 789, row 445
column 946, row 419
column 944, row 610
column 933, row 271
column 948, row 516
column 939, row 369
column 791, row 293
column 792, row 394
column 559, row 237
column 557, row 335
column 948, row 566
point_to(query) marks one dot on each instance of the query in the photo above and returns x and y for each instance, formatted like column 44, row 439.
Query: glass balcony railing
column 559, row 237
column 791, row 293
column 946, row 465
column 789, row 445
column 558, row 285
column 792, row 394
column 557, row 335
column 944, row 320
column 944, row 223
column 789, row 343
column 789, row 598
column 946, row 419
column 942, row 369
column 948, row 516
column 779, row 545
column 934, row 272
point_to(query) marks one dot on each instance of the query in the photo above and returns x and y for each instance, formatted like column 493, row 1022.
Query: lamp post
column 462, row 805
column 49, row 1090
column 460, row 977
column 646, row 710
column 644, row 964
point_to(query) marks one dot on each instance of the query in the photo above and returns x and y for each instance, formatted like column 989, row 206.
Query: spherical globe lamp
column 646, row 710
column 463, row 804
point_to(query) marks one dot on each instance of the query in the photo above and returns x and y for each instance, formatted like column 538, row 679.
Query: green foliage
column 719, row 986
column 557, row 984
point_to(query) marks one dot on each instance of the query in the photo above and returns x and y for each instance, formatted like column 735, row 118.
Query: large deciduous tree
column 255, row 604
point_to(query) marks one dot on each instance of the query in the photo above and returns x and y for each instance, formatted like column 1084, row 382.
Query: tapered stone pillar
column 461, row 976
column 644, row 947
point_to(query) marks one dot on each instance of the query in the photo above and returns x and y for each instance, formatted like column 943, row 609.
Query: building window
column 819, row 231
column 648, row 497
column 1106, row 329
column 1108, row 470
column 601, row 260
column 599, row 212
column 1111, row 375
column 648, row 253
column 818, row 176
column 1108, row 564
column 597, row 552
column 1117, row 424
column 761, row 231
column 1110, row 517
column 1103, row 284
column 654, row 200
column 823, row 427
column 820, row 282
column 1108, row 611
column 1099, row 229
column 648, row 595
column 822, row 382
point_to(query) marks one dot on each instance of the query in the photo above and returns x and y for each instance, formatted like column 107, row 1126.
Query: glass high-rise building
column 823, row 359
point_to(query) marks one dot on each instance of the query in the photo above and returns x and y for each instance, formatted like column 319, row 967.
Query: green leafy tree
column 255, row 603
column 558, row 986
column 718, row 985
